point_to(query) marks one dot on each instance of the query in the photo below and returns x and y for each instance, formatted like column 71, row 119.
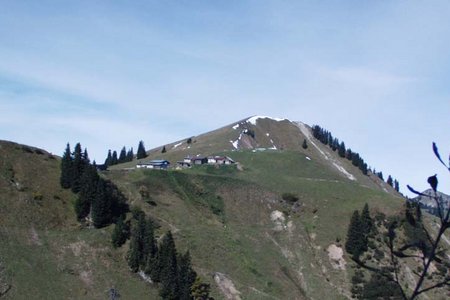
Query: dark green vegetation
column 403, row 256
column 99, row 201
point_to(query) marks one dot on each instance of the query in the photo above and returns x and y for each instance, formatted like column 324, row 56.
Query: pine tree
column 341, row 150
column 66, row 169
column 390, row 181
column 134, row 251
column 114, row 160
column 304, row 145
column 77, row 169
column 101, row 209
column 130, row 154
column 163, row 149
column 120, row 234
column 186, row 276
column 366, row 221
column 355, row 236
column 108, row 159
column 85, row 157
column 169, row 270
column 88, row 192
column 141, row 153
column 149, row 247
column 123, row 155
column 396, row 185
column 349, row 154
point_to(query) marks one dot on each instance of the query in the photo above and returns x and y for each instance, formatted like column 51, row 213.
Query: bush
column 290, row 197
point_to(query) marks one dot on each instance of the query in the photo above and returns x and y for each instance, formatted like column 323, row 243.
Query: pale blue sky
column 376, row 73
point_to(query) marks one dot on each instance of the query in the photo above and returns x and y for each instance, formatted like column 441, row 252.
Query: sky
column 108, row 74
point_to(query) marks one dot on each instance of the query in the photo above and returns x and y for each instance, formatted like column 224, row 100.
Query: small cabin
column 222, row 160
column 199, row 160
column 157, row 164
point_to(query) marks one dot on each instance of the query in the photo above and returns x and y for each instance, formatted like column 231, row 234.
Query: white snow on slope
column 235, row 126
column 236, row 142
column 253, row 119
column 177, row 145
column 335, row 163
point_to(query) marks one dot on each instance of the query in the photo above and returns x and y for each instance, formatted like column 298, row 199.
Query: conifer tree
column 101, row 209
column 88, row 192
column 134, row 251
column 341, row 150
column 85, row 157
column 396, row 185
column 390, row 181
column 66, row 169
column 355, row 236
column 349, row 154
column 130, row 154
column 304, row 145
column 186, row 276
column 114, row 159
column 77, row 169
column 123, row 155
column 366, row 221
column 120, row 233
column 108, row 159
column 169, row 271
column 149, row 247
column 141, row 153
column 163, row 149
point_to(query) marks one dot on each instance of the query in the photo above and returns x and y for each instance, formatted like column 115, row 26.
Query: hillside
column 44, row 253
column 246, row 238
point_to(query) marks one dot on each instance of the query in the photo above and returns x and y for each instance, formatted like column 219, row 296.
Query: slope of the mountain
column 248, row 238
column 44, row 254
column 235, row 221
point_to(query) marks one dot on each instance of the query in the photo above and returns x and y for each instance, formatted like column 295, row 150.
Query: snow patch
column 235, row 126
column 308, row 158
column 267, row 134
column 253, row 119
column 177, row 145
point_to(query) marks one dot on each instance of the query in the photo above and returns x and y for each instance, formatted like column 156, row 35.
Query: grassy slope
column 45, row 253
column 242, row 242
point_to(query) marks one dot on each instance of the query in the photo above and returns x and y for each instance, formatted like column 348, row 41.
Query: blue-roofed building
column 158, row 164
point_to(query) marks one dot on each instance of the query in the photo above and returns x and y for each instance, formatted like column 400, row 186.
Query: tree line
column 99, row 201
column 125, row 155
column 172, row 271
column 326, row 138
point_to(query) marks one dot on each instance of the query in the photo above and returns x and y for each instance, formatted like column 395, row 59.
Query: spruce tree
column 169, row 288
column 134, row 251
column 366, row 221
column 349, row 154
column 114, row 159
column 141, row 153
column 341, row 150
column 396, row 185
column 355, row 236
column 149, row 247
column 304, row 145
column 120, row 234
column 390, row 181
column 108, row 159
column 101, row 209
column 163, row 149
column 66, row 169
column 130, row 154
column 88, row 192
column 77, row 169
column 186, row 276
column 123, row 155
